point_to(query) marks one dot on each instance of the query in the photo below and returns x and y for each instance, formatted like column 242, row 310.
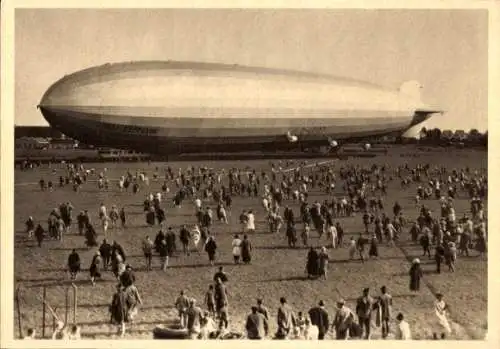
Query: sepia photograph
column 249, row 174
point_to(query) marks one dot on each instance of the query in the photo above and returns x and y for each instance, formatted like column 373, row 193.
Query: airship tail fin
column 411, row 89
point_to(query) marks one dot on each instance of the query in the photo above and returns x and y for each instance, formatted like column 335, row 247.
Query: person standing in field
column 319, row 318
column 95, row 268
column 402, row 328
column 246, row 250
column 305, row 234
column 221, row 303
column 286, row 319
column 364, row 308
column 211, row 249
column 118, row 310
column 236, row 245
column 210, row 300
column 250, row 222
column 194, row 318
column 383, row 307
column 441, row 310
column 184, row 237
column 323, row 262
column 256, row 325
column 105, row 250
column 147, row 249
column 344, row 317
column 30, row 227
column 182, row 305
column 123, row 217
column 163, row 253
column 415, row 275
column 262, row 309
column 74, row 264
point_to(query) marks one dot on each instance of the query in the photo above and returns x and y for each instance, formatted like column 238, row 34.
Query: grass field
column 275, row 270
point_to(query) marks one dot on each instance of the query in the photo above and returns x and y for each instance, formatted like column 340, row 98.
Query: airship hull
column 174, row 107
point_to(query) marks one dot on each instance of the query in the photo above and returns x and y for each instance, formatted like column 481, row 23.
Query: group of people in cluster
column 364, row 191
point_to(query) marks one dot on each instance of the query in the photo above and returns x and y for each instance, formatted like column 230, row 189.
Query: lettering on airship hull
column 131, row 129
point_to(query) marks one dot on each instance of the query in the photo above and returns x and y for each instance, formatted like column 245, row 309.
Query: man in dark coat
column 119, row 309
column 91, row 236
column 319, row 317
column 158, row 240
column 425, row 242
column 128, row 277
column 221, row 303
column 262, row 309
column 291, row 234
column 184, row 236
column 74, row 264
column 39, row 234
column 312, row 263
column 256, row 326
column 439, row 257
column 170, row 237
column 364, row 306
column 220, row 275
column 415, row 275
column 105, row 251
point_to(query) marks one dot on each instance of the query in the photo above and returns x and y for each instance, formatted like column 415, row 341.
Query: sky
column 445, row 50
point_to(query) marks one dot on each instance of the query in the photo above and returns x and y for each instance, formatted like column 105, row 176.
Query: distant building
column 36, row 132
column 63, row 143
column 25, row 143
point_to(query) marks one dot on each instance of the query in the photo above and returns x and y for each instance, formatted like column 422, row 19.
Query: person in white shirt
column 102, row 211
column 311, row 332
column 332, row 234
column 403, row 328
column 236, row 249
column 250, row 224
column 197, row 204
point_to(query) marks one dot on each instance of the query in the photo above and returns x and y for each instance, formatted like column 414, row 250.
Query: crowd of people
column 364, row 190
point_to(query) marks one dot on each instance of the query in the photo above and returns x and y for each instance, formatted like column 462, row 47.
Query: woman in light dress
column 441, row 311
column 196, row 237
column 352, row 248
column 250, row 222
column 236, row 244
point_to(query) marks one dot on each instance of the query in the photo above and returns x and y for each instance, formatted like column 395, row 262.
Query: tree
column 423, row 132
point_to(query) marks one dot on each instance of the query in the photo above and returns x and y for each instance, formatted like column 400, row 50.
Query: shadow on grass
column 281, row 247
column 289, row 278
column 129, row 325
column 69, row 249
column 64, row 282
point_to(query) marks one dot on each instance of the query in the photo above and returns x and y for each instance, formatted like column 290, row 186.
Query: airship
column 171, row 107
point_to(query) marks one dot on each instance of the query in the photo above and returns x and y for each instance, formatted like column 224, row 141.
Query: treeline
column 436, row 136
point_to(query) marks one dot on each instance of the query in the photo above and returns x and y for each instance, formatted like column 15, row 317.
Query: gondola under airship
column 186, row 107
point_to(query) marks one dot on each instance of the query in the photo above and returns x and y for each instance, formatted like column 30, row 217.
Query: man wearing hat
column 319, row 318
column 364, row 308
column 343, row 320
column 257, row 326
